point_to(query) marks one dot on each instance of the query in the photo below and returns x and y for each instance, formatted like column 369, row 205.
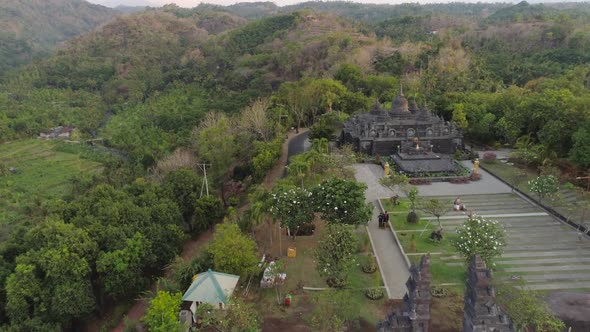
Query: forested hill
column 366, row 12
column 168, row 87
column 162, row 70
column 32, row 28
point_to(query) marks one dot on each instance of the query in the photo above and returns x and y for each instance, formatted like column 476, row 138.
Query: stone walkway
column 392, row 264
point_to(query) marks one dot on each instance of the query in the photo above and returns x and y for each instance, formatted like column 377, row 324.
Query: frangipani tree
column 544, row 186
column 335, row 254
column 291, row 205
column 481, row 236
column 341, row 201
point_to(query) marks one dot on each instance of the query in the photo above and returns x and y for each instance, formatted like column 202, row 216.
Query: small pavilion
column 210, row 287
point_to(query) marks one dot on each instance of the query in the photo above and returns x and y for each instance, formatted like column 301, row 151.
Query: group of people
column 383, row 219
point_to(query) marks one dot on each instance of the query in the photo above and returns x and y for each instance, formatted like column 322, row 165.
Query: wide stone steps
column 547, row 247
column 543, row 251
column 555, row 253
column 556, row 286
column 545, row 261
column 553, row 277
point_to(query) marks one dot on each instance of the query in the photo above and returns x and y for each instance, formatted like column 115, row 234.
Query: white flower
column 335, row 208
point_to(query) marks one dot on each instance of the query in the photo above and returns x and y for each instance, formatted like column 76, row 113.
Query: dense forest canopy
column 166, row 87
column 32, row 29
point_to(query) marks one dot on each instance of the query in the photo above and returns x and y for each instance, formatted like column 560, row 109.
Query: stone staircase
column 546, row 253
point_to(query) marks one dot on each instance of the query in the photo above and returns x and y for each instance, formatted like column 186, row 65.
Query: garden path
column 392, row 264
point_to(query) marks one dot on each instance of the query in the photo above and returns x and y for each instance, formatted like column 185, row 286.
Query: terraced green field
column 43, row 172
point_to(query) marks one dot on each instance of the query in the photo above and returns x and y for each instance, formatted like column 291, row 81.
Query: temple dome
column 400, row 103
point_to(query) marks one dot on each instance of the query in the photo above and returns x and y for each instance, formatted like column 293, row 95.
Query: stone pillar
column 481, row 313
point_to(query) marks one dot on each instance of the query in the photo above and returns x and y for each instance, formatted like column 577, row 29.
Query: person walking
column 385, row 219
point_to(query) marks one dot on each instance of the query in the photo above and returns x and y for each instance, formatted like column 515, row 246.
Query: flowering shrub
column 293, row 207
column 374, row 293
column 341, row 201
column 489, row 156
column 480, row 236
column 543, row 186
column 335, row 254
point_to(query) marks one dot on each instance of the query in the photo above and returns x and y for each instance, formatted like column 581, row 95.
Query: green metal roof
column 211, row 287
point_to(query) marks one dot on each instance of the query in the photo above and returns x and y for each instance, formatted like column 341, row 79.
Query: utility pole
column 205, row 184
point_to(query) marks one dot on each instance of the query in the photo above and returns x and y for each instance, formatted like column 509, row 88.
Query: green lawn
column 301, row 271
column 412, row 242
column 43, row 173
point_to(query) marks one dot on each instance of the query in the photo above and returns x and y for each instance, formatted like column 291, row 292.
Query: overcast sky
column 193, row 3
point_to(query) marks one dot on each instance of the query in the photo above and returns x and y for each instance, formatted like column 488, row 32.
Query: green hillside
column 33, row 28
column 172, row 88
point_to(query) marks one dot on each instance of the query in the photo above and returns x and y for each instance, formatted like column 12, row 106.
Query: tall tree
column 341, row 201
column 52, row 280
column 162, row 314
column 232, row 251
column 121, row 271
column 215, row 144
column 580, row 152
column 255, row 119
column 335, row 254
column 292, row 206
column 294, row 95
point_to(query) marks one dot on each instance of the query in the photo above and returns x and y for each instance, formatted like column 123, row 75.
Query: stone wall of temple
column 381, row 131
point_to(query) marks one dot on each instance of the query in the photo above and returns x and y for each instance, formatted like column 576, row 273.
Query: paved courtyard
column 546, row 253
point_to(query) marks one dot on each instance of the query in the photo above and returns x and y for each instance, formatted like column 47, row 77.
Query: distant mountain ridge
column 32, row 28
column 128, row 3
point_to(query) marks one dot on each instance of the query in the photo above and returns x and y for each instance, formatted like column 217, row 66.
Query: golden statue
column 476, row 166
column 386, row 169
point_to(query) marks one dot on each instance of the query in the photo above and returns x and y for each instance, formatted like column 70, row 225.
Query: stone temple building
column 384, row 132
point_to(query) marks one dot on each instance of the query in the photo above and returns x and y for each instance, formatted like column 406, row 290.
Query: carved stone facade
column 382, row 131
column 481, row 313
column 414, row 316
